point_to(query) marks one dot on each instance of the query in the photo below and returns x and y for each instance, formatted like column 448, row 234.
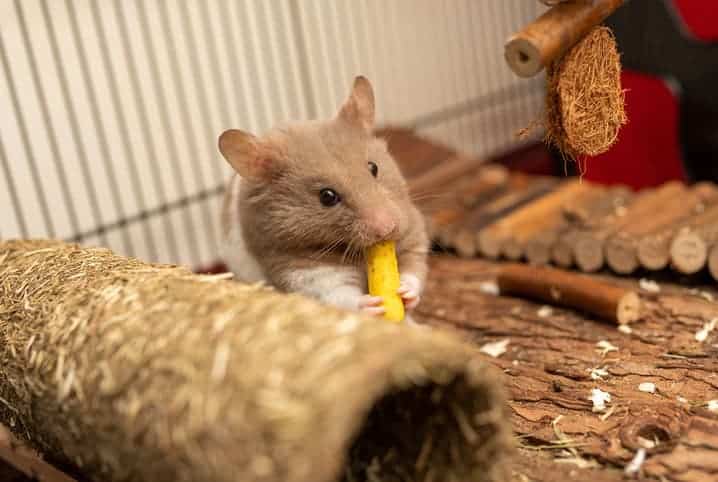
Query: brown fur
column 284, row 224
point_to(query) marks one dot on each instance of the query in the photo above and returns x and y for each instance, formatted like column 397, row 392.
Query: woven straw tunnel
column 585, row 101
column 131, row 371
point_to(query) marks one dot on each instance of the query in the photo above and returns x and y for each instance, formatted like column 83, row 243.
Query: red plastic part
column 647, row 152
column 700, row 17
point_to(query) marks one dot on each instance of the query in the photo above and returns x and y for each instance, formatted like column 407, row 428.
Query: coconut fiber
column 585, row 101
column 123, row 370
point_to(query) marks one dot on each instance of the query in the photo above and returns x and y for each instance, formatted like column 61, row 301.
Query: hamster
column 307, row 198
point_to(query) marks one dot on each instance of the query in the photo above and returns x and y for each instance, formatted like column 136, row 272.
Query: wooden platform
column 479, row 207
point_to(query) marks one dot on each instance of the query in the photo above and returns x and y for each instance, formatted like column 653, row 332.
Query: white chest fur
column 234, row 249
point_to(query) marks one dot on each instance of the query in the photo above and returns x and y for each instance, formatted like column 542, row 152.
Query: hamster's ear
column 247, row 156
column 359, row 107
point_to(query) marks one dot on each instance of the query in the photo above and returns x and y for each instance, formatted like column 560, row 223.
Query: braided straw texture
column 131, row 371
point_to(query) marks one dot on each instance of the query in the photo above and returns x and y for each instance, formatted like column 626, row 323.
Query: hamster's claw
column 410, row 296
column 409, row 292
column 371, row 305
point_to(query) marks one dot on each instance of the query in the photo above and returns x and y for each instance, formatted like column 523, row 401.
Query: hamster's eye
column 373, row 168
column 329, row 197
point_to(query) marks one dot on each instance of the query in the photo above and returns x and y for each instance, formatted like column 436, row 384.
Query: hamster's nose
column 381, row 223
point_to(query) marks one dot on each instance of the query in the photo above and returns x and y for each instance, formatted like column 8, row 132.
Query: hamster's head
column 322, row 185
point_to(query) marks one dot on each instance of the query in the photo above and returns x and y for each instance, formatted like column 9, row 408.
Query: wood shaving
column 545, row 311
column 649, row 286
column 599, row 399
column 598, row 373
column 703, row 333
column 489, row 288
column 647, row 443
column 496, row 348
column 636, row 463
column 625, row 329
column 605, row 346
column 610, row 411
column 647, row 387
column 703, row 294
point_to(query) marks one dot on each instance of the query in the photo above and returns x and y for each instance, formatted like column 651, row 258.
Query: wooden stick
column 414, row 154
column 690, row 246
column 488, row 240
column 450, row 209
column 622, row 248
column 654, row 250
column 537, row 248
column 512, row 231
column 546, row 39
column 26, row 460
column 520, row 190
column 588, row 251
column 445, row 171
column 571, row 290
column 438, row 221
column 586, row 219
column 491, row 180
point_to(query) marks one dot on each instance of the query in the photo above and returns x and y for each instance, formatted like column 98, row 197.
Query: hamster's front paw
column 409, row 290
column 371, row 305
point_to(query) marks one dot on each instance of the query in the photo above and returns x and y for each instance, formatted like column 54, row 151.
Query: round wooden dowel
column 538, row 249
column 588, row 253
column 587, row 219
column 571, row 290
column 546, row 39
column 688, row 252
column 562, row 250
column 621, row 254
column 512, row 249
column 532, row 218
column 490, row 243
column 444, row 172
column 713, row 262
column 689, row 247
column 654, row 252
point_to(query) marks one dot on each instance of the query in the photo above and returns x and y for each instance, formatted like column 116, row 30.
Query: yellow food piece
column 383, row 278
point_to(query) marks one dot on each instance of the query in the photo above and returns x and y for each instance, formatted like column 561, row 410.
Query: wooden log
column 622, row 248
column 654, row 250
column 438, row 221
column 713, row 262
column 444, row 172
column 491, row 180
column 414, row 154
column 448, row 207
column 537, row 248
column 26, row 460
column 586, row 219
column 588, row 251
column 520, row 189
column 571, row 290
column 546, row 39
column 689, row 248
column 488, row 242
column 510, row 232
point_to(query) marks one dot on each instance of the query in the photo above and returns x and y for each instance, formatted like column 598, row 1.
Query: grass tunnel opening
column 428, row 433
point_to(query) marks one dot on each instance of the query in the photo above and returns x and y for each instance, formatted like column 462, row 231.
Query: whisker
column 327, row 249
